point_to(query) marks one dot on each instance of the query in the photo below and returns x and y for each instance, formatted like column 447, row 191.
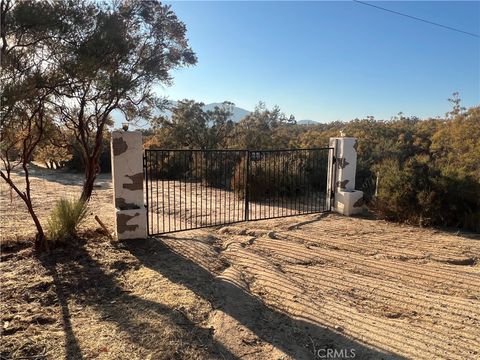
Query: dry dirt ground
column 292, row 288
column 180, row 205
column 48, row 186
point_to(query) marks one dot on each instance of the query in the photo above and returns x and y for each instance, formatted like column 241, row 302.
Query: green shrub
column 76, row 164
column 395, row 200
column 238, row 180
column 472, row 222
column 272, row 176
column 365, row 178
column 65, row 218
column 216, row 168
column 169, row 165
column 417, row 192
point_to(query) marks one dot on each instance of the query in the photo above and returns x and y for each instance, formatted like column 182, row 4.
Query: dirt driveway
column 292, row 288
column 344, row 283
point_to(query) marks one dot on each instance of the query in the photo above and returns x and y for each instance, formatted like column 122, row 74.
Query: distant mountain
column 238, row 113
column 307, row 122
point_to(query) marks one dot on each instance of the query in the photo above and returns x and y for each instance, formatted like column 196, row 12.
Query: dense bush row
column 427, row 171
column 276, row 174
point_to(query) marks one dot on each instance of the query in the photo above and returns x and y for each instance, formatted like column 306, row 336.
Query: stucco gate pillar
column 347, row 200
column 127, row 177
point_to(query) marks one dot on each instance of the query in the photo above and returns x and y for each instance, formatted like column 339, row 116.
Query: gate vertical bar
column 247, row 183
column 150, row 181
column 156, row 190
column 334, row 175
column 145, row 166
column 163, row 192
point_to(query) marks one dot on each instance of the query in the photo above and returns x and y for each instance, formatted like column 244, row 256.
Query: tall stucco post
column 127, row 176
column 347, row 200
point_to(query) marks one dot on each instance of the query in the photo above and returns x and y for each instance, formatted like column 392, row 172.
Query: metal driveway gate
column 191, row 189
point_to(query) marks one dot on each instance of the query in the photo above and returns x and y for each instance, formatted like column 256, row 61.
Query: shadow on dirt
column 72, row 348
column 268, row 324
column 154, row 327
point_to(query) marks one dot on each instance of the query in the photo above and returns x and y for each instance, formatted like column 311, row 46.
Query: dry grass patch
column 95, row 300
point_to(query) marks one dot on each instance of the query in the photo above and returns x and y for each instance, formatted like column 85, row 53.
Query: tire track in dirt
column 254, row 264
column 232, row 332
column 373, row 231
column 286, row 260
column 452, row 278
column 395, row 248
column 397, row 305
column 406, row 241
column 367, row 298
column 283, row 250
column 278, row 294
column 391, row 249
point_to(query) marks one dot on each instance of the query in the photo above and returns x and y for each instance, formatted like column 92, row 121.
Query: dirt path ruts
column 393, row 297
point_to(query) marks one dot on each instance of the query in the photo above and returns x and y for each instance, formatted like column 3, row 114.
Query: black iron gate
column 191, row 189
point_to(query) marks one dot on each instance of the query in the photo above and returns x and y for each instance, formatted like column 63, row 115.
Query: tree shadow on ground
column 155, row 328
column 72, row 348
column 237, row 303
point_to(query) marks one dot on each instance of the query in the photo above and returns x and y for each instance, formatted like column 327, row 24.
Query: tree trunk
column 40, row 241
column 90, row 176
column 91, row 166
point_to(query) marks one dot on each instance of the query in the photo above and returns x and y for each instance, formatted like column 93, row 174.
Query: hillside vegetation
column 425, row 172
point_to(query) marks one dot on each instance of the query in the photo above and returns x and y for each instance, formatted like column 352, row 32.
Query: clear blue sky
column 331, row 60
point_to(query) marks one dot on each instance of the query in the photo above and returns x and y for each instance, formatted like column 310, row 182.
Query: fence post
column 347, row 200
column 127, row 177
column 247, row 185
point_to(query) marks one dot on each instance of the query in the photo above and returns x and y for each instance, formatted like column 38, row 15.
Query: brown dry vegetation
column 276, row 289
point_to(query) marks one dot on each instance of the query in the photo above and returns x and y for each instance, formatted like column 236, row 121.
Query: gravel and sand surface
column 289, row 288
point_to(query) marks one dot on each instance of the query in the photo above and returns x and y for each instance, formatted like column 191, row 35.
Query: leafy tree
column 113, row 53
column 220, row 130
column 54, row 149
column 80, row 61
column 187, row 127
column 262, row 129
column 52, row 156
column 191, row 127
column 457, row 108
column 76, row 163
column 456, row 144
column 27, row 81
column 20, row 134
